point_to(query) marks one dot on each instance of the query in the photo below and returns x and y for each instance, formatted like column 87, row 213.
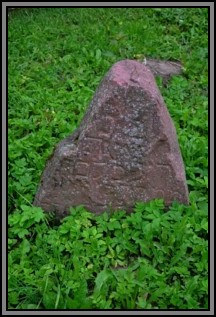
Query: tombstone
column 124, row 151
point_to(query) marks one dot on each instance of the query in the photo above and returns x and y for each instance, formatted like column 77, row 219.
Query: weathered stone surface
column 164, row 69
column 124, row 151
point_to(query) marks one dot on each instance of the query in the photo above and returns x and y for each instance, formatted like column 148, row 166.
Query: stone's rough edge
column 166, row 69
column 74, row 138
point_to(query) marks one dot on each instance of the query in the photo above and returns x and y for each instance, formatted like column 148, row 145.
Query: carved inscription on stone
column 124, row 151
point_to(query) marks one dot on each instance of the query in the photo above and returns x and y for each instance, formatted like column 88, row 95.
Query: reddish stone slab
column 125, row 149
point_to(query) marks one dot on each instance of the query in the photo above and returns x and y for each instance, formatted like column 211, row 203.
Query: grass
column 150, row 259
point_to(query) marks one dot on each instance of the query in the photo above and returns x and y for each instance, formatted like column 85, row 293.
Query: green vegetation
column 151, row 259
column 148, row 259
